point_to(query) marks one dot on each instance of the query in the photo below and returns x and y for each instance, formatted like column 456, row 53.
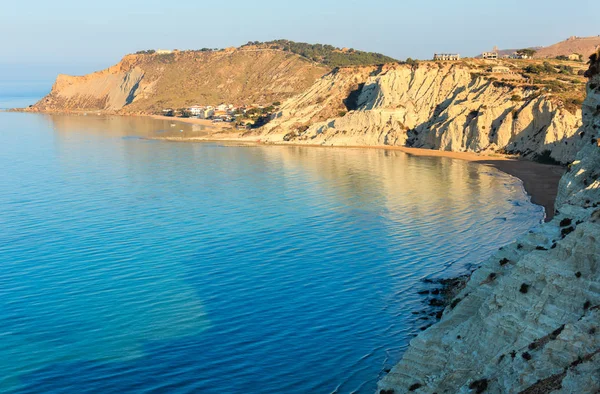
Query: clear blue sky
column 40, row 38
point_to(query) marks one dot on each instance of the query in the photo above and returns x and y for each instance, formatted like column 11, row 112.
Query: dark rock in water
column 524, row 288
column 526, row 356
column 415, row 386
column 424, row 292
column 435, row 292
column 436, row 302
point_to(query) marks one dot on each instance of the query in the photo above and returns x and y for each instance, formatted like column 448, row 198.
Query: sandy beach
column 202, row 122
column 539, row 180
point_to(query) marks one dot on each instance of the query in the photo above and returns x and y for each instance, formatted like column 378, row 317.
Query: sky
column 41, row 38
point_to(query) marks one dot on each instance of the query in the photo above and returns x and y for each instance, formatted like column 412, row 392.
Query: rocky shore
column 528, row 319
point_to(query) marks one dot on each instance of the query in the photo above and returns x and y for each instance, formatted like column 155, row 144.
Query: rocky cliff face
column 433, row 106
column 150, row 82
column 529, row 318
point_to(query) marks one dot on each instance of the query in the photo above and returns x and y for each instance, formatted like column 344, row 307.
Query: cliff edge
column 444, row 106
column 528, row 320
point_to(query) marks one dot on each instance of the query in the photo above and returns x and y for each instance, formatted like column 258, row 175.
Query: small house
column 446, row 56
column 490, row 55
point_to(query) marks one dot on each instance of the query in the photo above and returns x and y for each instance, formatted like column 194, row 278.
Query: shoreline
column 540, row 181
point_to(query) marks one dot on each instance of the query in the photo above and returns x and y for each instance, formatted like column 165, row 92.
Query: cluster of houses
column 220, row 113
column 494, row 55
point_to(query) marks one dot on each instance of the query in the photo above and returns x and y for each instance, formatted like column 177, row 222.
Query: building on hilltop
column 490, row 55
column 446, row 56
column 163, row 51
column 517, row 55
column 575, row 57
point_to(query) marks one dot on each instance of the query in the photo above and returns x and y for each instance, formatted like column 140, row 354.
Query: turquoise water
column 22, row 101
column 132, row 265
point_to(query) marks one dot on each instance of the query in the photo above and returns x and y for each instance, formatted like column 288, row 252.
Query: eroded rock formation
column 436, row 106
column 529, row 318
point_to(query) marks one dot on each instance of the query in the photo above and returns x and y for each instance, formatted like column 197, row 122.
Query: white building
column 196, row 110
column 490, row 55
column 446, row 56
column 516, row 55
column 207, row 114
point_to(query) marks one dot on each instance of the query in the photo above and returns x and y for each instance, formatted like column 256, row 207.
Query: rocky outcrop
column 436, row 106
column 529, row 318
column 148, row 83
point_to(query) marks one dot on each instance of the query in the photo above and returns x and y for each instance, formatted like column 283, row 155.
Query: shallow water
column 131, row 265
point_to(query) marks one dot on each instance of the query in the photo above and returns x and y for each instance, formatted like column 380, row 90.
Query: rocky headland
column 528, row 320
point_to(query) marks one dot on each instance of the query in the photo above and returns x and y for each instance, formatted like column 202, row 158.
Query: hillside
column 325, row 54
column 532, row 111
column 149, row 82
column 580, row 45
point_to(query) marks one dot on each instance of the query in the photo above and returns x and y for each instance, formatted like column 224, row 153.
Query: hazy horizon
column 75, row 38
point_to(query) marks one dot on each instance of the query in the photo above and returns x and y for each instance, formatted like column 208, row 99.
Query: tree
column 412, row 62
column 527, row 52
column 185, row 113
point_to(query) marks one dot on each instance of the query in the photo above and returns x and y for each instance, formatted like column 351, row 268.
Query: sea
column 135, row 265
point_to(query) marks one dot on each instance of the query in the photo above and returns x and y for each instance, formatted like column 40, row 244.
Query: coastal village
column 243, row 117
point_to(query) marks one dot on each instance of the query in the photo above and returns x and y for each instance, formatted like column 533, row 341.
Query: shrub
column 516, row 97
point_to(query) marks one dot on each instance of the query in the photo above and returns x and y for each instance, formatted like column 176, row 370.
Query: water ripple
column 136, row 267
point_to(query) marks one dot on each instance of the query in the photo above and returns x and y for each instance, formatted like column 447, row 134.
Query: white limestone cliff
column 437, row 106
column 528, row 320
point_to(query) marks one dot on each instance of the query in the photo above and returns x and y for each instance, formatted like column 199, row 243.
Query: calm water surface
column 131, row 265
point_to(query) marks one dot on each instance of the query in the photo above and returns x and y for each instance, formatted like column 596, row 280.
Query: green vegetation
column 540, row 68
column 412, row 62
column 146, row 52
column 326, row 54
column 527, row 52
